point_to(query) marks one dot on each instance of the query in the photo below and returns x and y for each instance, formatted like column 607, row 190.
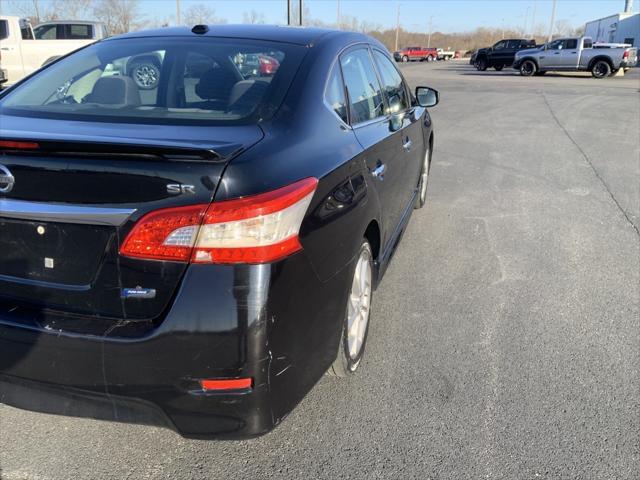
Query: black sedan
column 197, row 253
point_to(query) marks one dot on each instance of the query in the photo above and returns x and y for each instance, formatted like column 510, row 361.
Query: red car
column 416, row 53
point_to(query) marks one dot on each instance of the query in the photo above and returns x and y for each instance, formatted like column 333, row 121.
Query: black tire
column 600, row 69
column 145, row 74
column 344, row 364
column 528, row 68
column 405, row 58
column 498, row 67
column 481, row 64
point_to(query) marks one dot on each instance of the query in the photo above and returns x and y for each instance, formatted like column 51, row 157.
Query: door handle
column 407, row 145
column 557, row 53
column 378, row 172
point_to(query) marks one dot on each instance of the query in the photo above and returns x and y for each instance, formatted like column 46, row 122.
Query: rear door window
column 78, row 32
column 571, row 43
column 392, row 83
column 365, row 95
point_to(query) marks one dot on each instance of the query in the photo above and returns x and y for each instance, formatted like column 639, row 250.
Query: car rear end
column 126, row 292
column 629, row 58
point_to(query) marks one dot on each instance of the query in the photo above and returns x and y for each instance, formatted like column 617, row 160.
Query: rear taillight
column 256, row 229
column 625, row 54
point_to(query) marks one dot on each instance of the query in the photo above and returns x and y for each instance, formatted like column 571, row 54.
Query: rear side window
column 392, row 83
column 500, row 45
column 334, row 95
column 4, row 29
column 572, row 43
column 365, row 95
column 162, row 80
column 78, row 32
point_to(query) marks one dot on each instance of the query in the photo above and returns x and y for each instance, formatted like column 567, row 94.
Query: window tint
column 334, row 95
column 362, row 84
column 78, row 32
column 556, row 45
column 500, row 45
column 45, row 32
column 571, row 43
column 159, row 80
column 514, row 44
column 588, row 43
column 391, row 83
column 26, row 33
column 4, row 29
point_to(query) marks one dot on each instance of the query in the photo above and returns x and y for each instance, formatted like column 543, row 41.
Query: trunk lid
column 73, row 200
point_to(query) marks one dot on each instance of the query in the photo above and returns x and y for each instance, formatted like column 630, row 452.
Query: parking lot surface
column 505, row 337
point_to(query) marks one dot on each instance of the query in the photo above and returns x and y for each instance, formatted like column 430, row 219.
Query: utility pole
column 526, row 18
column 178, row 22
column 430, row 30
column 288, row 12
column 300, row 16
column 397, row 26
column 553, row 21
column 533, row 19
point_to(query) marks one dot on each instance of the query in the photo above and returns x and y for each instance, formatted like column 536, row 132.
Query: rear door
column 372, row 125
column 412, row 139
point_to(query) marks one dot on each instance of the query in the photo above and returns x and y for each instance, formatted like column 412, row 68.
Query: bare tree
column 70, row 9
column 119, row 16
column 253, row 17
column 200, row 14
column 31, row 9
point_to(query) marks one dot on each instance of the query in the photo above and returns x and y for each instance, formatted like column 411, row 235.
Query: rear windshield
column 161, row 80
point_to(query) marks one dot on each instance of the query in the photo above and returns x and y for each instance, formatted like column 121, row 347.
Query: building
column 618, row 28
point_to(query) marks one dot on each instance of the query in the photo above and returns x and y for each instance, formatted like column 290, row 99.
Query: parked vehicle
column 70, row 30
column 411, row 54
column 576, row 54
column 199, row 255
column 22, row 54
column 445, row 54
column 501, row 54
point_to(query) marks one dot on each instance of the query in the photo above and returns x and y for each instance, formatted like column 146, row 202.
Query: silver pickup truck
column 576, row 54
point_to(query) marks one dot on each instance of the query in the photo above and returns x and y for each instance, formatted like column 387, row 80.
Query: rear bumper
column 226, row 322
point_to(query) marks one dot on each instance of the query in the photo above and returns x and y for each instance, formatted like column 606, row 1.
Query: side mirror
column 427, row 97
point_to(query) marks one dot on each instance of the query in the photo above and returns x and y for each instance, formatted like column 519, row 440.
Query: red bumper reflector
column 18, row 145
column 226, row 384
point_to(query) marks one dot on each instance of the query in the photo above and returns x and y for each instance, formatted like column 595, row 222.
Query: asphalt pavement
column 505, row 337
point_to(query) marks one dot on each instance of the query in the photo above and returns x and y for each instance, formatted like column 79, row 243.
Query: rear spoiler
column 150, row 151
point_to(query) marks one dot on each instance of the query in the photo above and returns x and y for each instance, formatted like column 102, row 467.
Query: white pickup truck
column 576, row 54
column 21, row 53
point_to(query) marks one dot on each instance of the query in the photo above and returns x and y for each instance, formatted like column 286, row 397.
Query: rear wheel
column 405, row 58
column 601, row 69
column 421, row 199
column 481, row 65
column 356, row 321
column 528, row 68
column 430, row 58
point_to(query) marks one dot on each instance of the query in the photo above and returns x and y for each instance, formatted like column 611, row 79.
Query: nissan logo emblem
column 7, row 181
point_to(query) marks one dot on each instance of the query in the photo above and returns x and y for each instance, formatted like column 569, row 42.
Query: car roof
column 66, row 22
column 275, row 33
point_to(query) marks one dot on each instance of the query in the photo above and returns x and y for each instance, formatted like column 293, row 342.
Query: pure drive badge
column 138, row 292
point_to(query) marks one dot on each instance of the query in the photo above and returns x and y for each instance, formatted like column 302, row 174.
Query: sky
column 448, row 15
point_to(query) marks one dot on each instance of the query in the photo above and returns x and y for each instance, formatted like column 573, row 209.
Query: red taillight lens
column 256, row 229
column 226, row 384
column 625, row 54
column 13, row 145
column 166, row 234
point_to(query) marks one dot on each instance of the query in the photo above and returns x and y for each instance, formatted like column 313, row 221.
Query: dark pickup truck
column 502, row 54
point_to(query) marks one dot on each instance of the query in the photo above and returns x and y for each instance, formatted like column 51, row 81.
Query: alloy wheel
column 359, row 305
